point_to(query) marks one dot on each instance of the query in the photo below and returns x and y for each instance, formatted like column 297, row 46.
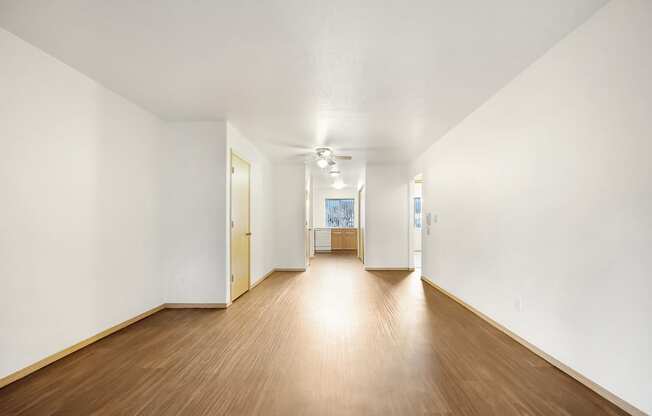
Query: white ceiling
column 352, row 175
column 379, row 79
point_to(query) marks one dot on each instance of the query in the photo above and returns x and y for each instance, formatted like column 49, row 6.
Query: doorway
column 240, row 226
column 361, row 220
column 416, row 208
column 308, row 229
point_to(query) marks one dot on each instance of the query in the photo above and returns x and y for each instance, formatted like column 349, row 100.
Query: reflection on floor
column 335, row 340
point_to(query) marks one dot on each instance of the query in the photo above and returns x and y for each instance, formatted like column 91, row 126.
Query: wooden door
column 240, row 232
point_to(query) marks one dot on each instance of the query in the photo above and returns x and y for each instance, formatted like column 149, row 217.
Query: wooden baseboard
column 389, row 269
column 601, row 391
column 269, row 273
column 197, row 305
column 59, row 355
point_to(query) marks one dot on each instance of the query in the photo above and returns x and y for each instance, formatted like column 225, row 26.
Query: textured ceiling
column 377, row 79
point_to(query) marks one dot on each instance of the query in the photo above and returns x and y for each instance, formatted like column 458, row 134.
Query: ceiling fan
column 325, row 157
column 327, row 152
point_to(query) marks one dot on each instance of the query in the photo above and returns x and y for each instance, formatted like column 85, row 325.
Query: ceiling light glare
column 322, row 163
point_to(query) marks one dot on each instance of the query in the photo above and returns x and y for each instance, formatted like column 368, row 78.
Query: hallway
column 335, row 340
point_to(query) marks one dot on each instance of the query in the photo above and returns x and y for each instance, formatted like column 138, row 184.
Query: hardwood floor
column 335, row 340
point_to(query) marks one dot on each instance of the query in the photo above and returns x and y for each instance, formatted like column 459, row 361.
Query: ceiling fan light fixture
column 324, row 152
column 338, row 185
column 322, row 163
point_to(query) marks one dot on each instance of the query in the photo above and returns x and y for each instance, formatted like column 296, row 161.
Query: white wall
column 106, row 211
column 319, row 206
column 194, row 206
column 386, row 216
column 79, row 207
column 261, row 205
column 544, row 198
column 197, row 262
column 289, row 216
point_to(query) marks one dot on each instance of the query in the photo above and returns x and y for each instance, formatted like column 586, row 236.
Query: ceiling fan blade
column 343, row 157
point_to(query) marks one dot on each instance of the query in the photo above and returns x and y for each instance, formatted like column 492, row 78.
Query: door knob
column 248, row 234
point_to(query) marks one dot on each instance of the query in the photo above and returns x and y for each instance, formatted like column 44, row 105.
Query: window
column 339, row 213
column 417, row 212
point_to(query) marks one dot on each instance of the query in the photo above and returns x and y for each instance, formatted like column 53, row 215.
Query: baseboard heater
column 322, row 240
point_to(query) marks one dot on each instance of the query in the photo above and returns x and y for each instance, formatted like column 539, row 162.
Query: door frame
column 360, row 236
column 307, row 231
column 232, row 155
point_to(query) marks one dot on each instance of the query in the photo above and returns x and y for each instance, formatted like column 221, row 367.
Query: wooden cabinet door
column 350, row 238
column 345, row 239
column 336, row 239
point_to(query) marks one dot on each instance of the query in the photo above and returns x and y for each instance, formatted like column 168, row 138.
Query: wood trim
column 76, row 347
column 269, row 273
column 197, row 305
column 601, row 391
column 359, row 235
column 389, row 269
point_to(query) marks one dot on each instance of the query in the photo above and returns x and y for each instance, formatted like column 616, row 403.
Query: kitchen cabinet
column 344, row 238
